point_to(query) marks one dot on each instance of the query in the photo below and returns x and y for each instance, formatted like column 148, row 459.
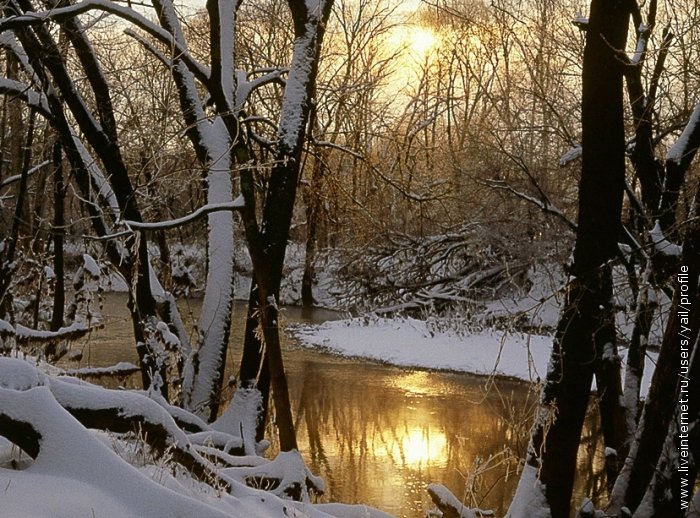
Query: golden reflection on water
column 379, row 435
column 416, row 382
column 419, row 446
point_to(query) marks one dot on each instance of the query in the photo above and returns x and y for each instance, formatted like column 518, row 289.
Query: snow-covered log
column 74, row 473
column 126, row 411
column 450, row 506
column 119, row 369
column 286, row 475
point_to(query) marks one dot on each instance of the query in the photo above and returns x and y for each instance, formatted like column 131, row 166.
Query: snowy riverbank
column 408, row 342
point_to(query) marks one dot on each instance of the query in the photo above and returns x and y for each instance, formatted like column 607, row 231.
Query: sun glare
column 412, row 46
column 414, row 42
column 420, row 447
column 420, row 41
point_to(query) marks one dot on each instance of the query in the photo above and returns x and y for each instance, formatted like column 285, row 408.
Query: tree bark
column 662, row 400
column 585, row 323
column 268, row 245
column 58, row 232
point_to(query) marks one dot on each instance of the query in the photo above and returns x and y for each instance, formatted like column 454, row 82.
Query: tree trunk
column 59, row 231
column 663, row 398
column 313, row 210
column 585, row 321
column 268, row 246
column 6, row 269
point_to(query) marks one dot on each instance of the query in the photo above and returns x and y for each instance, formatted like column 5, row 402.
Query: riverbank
column 408, row 342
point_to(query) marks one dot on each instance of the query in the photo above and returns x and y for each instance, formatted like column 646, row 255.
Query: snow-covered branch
column 15, row 178
column 33, row 98
column 119, row 369
column 246, row 86
column 25, row 334
column 233, row 206
column 450, row 506
column 687, row 140
column 572, row 154
column 57, row 14
column 663, row 245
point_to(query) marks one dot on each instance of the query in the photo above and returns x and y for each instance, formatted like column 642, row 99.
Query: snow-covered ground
column 77, row 472
column 408, row 342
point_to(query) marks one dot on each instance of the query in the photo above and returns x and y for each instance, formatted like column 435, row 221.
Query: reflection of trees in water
column 376, row 439
column 590, row 476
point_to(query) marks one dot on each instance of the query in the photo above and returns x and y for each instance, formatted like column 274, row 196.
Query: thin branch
column 15, row 178
column 33, row 18
column 235, row 205
column 545, row 205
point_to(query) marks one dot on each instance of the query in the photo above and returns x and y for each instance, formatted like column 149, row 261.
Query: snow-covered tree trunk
column 651, row 447
column 214, row 143
column 268, row 247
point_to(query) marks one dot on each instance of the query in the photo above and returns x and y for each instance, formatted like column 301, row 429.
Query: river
column 378, row 434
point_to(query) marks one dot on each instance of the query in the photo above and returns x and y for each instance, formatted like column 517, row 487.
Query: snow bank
column 529, row 500
column 408, row 342
column 77, row 472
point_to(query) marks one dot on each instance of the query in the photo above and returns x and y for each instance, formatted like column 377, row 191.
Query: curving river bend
column 379, row 434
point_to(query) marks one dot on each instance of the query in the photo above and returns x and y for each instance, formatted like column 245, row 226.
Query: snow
column 245, row 87
column 18, row 374
column 288, row 467
column 121, row 368
column 33, row 98
column 295, row 95
column 529, row 500
column 214, row 322
column 90, row 266
column 218, row 296
column 169, row 339
column 61, row 483
column 6, row 328
column 580, row 20
column 661, row 244
column 571, row 155
column 15, row 178
column 680, row 148
column 639, row 50
column 446, row 497
column 227, row 17
column 240, row 417
column 234, row 205
column 25, row 333
column 407, row 342
column 77, row 472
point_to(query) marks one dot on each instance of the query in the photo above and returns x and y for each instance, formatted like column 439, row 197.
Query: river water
column 378, row 434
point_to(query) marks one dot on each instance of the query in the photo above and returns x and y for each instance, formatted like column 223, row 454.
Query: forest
column 349, row 258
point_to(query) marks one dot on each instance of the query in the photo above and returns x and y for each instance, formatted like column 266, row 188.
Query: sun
column 413, row 42
column 420, row 41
